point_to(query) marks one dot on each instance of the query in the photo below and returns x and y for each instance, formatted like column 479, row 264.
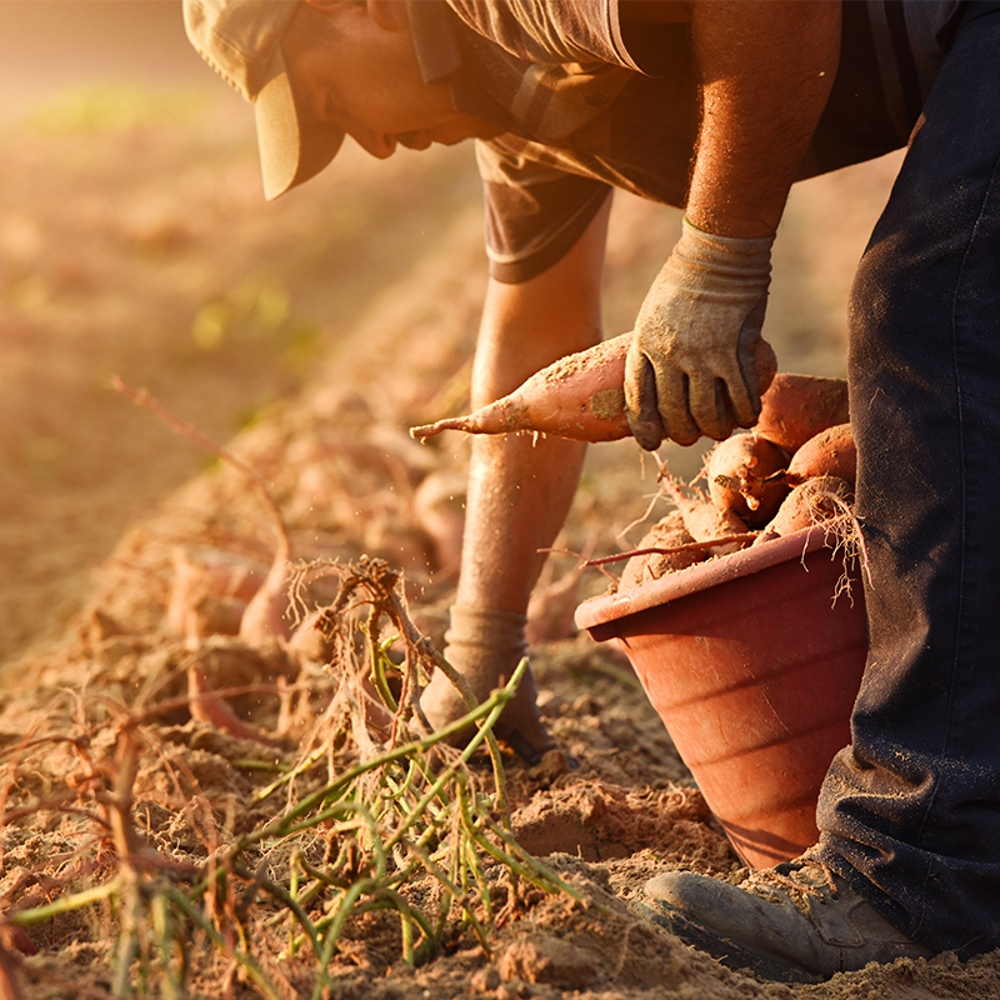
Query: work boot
column 798, row 922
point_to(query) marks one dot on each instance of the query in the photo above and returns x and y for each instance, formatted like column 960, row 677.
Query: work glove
column 485, row 646
column 690, row 368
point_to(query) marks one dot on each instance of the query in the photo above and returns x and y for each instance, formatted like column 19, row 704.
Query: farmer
column 719, row 108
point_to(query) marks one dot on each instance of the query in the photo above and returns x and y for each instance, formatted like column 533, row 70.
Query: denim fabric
column 910, row 813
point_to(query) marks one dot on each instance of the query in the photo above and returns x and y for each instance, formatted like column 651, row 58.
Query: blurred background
column 134, row 240
column 48, row 45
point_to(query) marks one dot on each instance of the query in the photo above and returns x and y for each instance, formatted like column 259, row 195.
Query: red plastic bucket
column 753, row 662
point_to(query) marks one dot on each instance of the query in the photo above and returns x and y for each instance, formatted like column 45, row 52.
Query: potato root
column 743, row 476
column 797, row 407
column 668, row 533
column 809, row 503
column 580, row 396
column 707, row 523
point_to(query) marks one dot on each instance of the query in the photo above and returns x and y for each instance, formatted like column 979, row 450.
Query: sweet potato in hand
column 580, row 396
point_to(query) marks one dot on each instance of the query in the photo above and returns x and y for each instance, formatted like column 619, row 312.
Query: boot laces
column 799, row 881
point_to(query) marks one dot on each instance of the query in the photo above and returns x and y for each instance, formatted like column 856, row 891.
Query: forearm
column 766, row 69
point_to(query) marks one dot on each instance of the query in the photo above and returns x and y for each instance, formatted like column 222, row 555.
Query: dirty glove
column 690, row 368
column 486, row 646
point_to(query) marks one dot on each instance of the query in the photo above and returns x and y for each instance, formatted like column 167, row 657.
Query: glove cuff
column 739, row 256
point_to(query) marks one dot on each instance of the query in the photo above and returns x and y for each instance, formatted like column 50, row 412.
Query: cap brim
column 291, row 149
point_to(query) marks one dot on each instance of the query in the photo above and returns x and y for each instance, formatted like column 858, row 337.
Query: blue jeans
column 910, row 812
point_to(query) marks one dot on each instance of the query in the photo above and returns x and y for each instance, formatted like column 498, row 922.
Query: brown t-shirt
column 589, row 104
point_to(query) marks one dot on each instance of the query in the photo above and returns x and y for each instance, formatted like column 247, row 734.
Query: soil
column 308, row 336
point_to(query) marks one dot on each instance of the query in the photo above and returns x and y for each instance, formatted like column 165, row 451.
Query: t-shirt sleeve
column 534, row 212
column 558, row 31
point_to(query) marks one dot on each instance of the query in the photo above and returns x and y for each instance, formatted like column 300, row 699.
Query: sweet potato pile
column 795, row 468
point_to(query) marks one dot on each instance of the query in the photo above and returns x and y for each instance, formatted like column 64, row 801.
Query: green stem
column 286, row 898
column 472, row 859
column 286, row 825
column 457, row 895
column 531, row 868
column 253, row 970
column 333, row 935
column 66, row 904
column 379, row 657
column 498, row 699
column 165, row 936
column 261, row 794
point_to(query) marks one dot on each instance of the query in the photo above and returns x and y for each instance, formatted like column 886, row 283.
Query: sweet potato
column 263, row 618
column 668, row 533
column 439, row 509
column 828, row 453
column 743, row 477
column 579, row 396
column 809, row 503
column 707, row 523
column 210, row 592
column 796, row 407
column 207, row 706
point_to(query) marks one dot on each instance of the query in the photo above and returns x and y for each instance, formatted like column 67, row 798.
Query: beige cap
column 241, row 41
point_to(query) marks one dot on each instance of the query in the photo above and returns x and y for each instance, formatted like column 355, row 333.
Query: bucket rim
column 720, row 569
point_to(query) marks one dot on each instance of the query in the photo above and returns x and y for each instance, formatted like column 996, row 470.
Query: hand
column 690, row 369
column 485, row 647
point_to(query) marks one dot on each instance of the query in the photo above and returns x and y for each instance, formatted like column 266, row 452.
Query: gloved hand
column 690, row 369
column 486, row 646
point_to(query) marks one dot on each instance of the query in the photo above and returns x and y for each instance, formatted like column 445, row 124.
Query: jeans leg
column 910, row 812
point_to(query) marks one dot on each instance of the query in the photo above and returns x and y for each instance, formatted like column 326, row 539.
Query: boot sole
column 730, row 953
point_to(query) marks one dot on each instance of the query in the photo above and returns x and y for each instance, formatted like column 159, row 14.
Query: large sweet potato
column 796, row 407
column 831, row 452
column 706, row 522
column 668, row 533
column 580, row 396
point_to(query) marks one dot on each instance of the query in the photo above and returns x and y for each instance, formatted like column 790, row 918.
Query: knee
column 895, row 301
column 871, row 307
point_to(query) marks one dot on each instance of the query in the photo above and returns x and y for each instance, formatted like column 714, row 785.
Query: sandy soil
column 134, row 240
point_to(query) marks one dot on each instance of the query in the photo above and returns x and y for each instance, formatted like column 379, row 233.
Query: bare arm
column 766, row 67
